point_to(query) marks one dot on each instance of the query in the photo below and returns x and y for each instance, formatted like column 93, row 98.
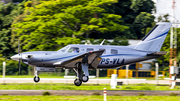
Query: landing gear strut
column 81, row 78
column 78, row 80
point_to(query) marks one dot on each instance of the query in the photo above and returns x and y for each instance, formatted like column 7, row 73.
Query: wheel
column 36, row 79
column 85, row 78
column 77, row 82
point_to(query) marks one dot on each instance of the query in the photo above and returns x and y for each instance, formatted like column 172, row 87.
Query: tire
column 77, row 82
column 85, row 78
column 36, row 79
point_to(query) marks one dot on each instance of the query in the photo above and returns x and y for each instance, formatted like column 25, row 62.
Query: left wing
column 93, row 59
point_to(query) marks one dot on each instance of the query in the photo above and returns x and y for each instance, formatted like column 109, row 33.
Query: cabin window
column 103, row 49
column 73, row 50
column 90, row 49
column 114, row 51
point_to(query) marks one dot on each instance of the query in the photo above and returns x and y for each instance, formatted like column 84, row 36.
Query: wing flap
column 93, row 59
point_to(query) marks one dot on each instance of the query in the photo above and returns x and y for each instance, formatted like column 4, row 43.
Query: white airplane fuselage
column 113, row 56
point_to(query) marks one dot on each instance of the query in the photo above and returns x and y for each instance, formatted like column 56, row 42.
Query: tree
column 49, row 25
column 7, row 14
column 142, row 6
column 142, row 22
column 129, row 10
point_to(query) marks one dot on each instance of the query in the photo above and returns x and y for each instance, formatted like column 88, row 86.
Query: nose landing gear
column 36, row 77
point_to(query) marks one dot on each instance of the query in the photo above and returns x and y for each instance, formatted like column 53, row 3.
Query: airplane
column 84, row 57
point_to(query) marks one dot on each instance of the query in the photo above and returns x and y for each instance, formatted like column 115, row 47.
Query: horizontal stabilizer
column 157, row 53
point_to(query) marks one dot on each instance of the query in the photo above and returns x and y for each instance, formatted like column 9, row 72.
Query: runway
column 91, row 81
column 88, row 92
column 83, row 92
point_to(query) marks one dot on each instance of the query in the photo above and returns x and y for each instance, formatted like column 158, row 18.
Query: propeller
column 19, row 57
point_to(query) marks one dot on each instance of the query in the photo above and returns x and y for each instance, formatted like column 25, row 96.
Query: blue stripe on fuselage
column 101, row 56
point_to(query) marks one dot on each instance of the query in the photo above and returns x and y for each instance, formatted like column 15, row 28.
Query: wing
column 93, row 59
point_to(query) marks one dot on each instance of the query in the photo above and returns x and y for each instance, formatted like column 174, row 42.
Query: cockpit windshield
column 63, row 49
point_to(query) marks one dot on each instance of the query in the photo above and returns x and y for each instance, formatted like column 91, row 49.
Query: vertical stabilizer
column 154, row 40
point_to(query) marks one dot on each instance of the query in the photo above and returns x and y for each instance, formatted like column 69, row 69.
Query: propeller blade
column 19, row 67
column 18, row 48
column 19, row 58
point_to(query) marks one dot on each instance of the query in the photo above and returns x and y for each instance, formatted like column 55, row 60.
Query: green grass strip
column 89, row 98
column 60, row 86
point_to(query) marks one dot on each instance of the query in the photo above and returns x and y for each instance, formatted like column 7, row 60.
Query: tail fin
column 153, row 41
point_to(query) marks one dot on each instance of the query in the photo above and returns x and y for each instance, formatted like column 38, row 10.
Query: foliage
column 116, row 41
column 141, row 94
column 52, row 24
column 139, row 6
column 173, row 94
column 96, row 93
column 12, row 67
column 166, row 47
column 46, row 93
column 7, row 14
column 129, row 10
column 120, row 41
column 46, row 24
column 142, row 22
column 163, row 18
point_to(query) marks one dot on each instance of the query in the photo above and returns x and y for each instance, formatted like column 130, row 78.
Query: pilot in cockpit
column 75, row 50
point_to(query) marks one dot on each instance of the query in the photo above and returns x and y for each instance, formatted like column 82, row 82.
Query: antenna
column 102, row 42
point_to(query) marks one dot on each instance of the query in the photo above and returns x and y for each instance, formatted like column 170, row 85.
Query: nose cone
column 16, row 57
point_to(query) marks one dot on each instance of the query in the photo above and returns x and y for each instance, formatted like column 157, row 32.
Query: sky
column 165, row 7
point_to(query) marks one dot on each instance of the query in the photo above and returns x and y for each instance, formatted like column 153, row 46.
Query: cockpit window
column 73, row 50
column 64, row 49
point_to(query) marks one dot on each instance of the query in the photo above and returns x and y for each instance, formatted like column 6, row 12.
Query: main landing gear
column 81, row 78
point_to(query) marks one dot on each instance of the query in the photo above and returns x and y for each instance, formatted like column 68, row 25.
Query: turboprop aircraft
column 84, row 57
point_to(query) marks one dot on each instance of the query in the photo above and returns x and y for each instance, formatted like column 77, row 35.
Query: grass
column 58, row 86
column 89, row 98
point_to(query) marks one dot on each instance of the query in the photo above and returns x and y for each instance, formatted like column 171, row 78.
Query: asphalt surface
column 84, row 92
column 88, row 92
column 91, row 81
